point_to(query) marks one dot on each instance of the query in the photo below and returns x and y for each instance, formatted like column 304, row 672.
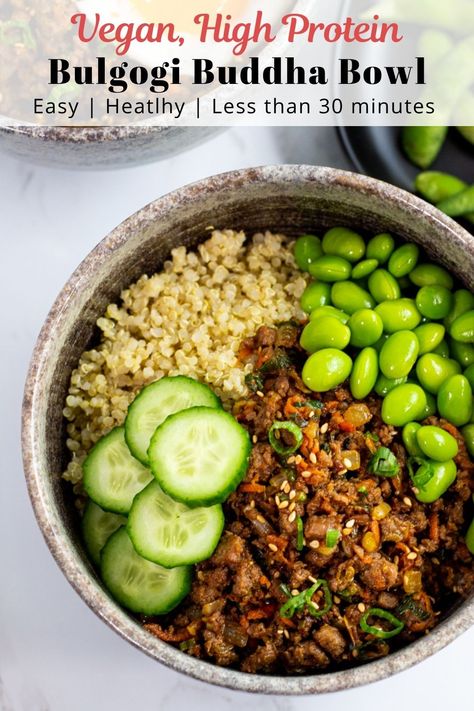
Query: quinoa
column 189, row 319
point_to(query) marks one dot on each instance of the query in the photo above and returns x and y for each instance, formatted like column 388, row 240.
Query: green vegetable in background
column 422, row 144
column 458, row 205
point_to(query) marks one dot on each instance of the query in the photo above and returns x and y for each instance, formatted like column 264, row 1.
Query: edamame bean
column 460, row 204
column 350, row 297
column 403, row 260
column 329, row 311
column 399, row 354
column 431, row 406
column 436, row 443
column 469, row 374
column 398, row 315
column 470, row 538
column 442, row 349
column 383, row 286
column 468, row 434
column 366, row 328
column 429, row 274
column 403, row 404
column 409, row 439
column 306, row 250
column 325, row 332
column 316, row 294
column 463, row 301
column 380, row 247
column 422, row 144
column 364, row 373
column 463, row 328
column 434, row 302
column 345, row 243
column 435, row 186
column 364, row 268
column 378, row 345
column 443, row 476
column 432, row 370
column 329, row 268
column 429, row 335
column 463, row 353
column 384, row 385
column 455, row 400
column 326, row 369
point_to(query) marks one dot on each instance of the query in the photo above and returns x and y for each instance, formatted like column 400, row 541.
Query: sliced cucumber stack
column 199, row 455
column 169, row 533
column 97, row 527
column 136, row 583
column 156, row 402
column 112, row 476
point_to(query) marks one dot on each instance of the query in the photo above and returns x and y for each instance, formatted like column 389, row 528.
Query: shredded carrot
column 286, row 622
column 264, row 581
column 252, row 488
column 434, row 527
column 290, row 405
column 375, row 528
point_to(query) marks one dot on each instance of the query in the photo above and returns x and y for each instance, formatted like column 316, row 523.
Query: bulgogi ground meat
column 366, row 537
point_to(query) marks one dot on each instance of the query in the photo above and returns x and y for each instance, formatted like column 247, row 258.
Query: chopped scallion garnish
column 384, row 463
column 292, row 429
column 304, row 599
column 423, row 473
column 332, row 537
column 376, row 612
column 299, row 534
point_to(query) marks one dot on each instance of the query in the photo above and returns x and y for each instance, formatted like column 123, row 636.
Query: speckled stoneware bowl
column 99, row 148
column 291, row 199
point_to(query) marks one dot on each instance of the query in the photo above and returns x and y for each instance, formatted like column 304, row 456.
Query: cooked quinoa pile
column 188, row 319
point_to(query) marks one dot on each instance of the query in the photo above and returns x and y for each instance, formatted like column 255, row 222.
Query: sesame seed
column 283, row 484
column 298, row 459
column 287, row 634
column 311, row 414
column 361, row 607
column 347, row 463
column 260, row 519
column 291, row 460
column 273, row 547
column 435, row 561
column 287, row 488
column 312, row 458
column 407, row 501
column 343, row 471
column 255, row 439
column 259, row 393
column 279, row 631
column 311, row 579
column 292, row 507
column 283, row 505
column 306, row 475
column 295, row 592
column 346, row 531
column 411, row 556
column 324, row 428
column 350, row 524
column 292, row 494
column 292, row 516
column 314, row 544
column 252, row 504
column 277, row 500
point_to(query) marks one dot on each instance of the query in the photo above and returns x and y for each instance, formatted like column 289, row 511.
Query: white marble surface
column 55, row 655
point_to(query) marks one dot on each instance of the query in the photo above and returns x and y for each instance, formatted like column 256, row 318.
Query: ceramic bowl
column 289, row 199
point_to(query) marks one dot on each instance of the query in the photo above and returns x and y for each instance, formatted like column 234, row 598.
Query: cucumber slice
column 199, row 456
column 136, row 583
column 97, row 527
column 156, row 402
column 112, row 476
column 169, row 533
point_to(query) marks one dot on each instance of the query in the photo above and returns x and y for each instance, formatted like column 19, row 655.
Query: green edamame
column 455, row 400
column 463, row 301
column 409, row 439
column 330, row 268
column 468, row 434
column 403, row 260
column 350, row 297
column 345, row 243
column 442, row 349
column 329, row 311
column 316, row 294
column 383, row 286
column 458, row 205
column 403, row 404
column 431, row 406
column 436, row 443
column 326, row 369
column 399, row 315
column 462, row 352
column 399, row 354
column 429, row 274
column 469, row 374
column 364, row 373
column 434, row 302
column 364, row 269
column 384, row 385
column 463, row 328
column 306, row 250
column 366, row 328
column 430, row 336
column 432, row 370
column 435, row 186
column 470, row 538
column 380, row 247
column 443, row 475
column 325, row 332
column 422, row 144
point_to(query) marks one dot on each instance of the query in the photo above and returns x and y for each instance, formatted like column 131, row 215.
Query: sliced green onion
column 254, row 382
column 285, row 589
column 377, row 612
column 384, row 463
column 362, row 490
column 304, row 599
column 187, row 644
column 332, row 537
column 299, row 534
column 279, row 361
column 293, row 430
column 408, row 604
column 424, row 472
column 315, row 612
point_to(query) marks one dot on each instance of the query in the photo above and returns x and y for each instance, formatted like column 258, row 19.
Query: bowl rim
column 57, row 539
